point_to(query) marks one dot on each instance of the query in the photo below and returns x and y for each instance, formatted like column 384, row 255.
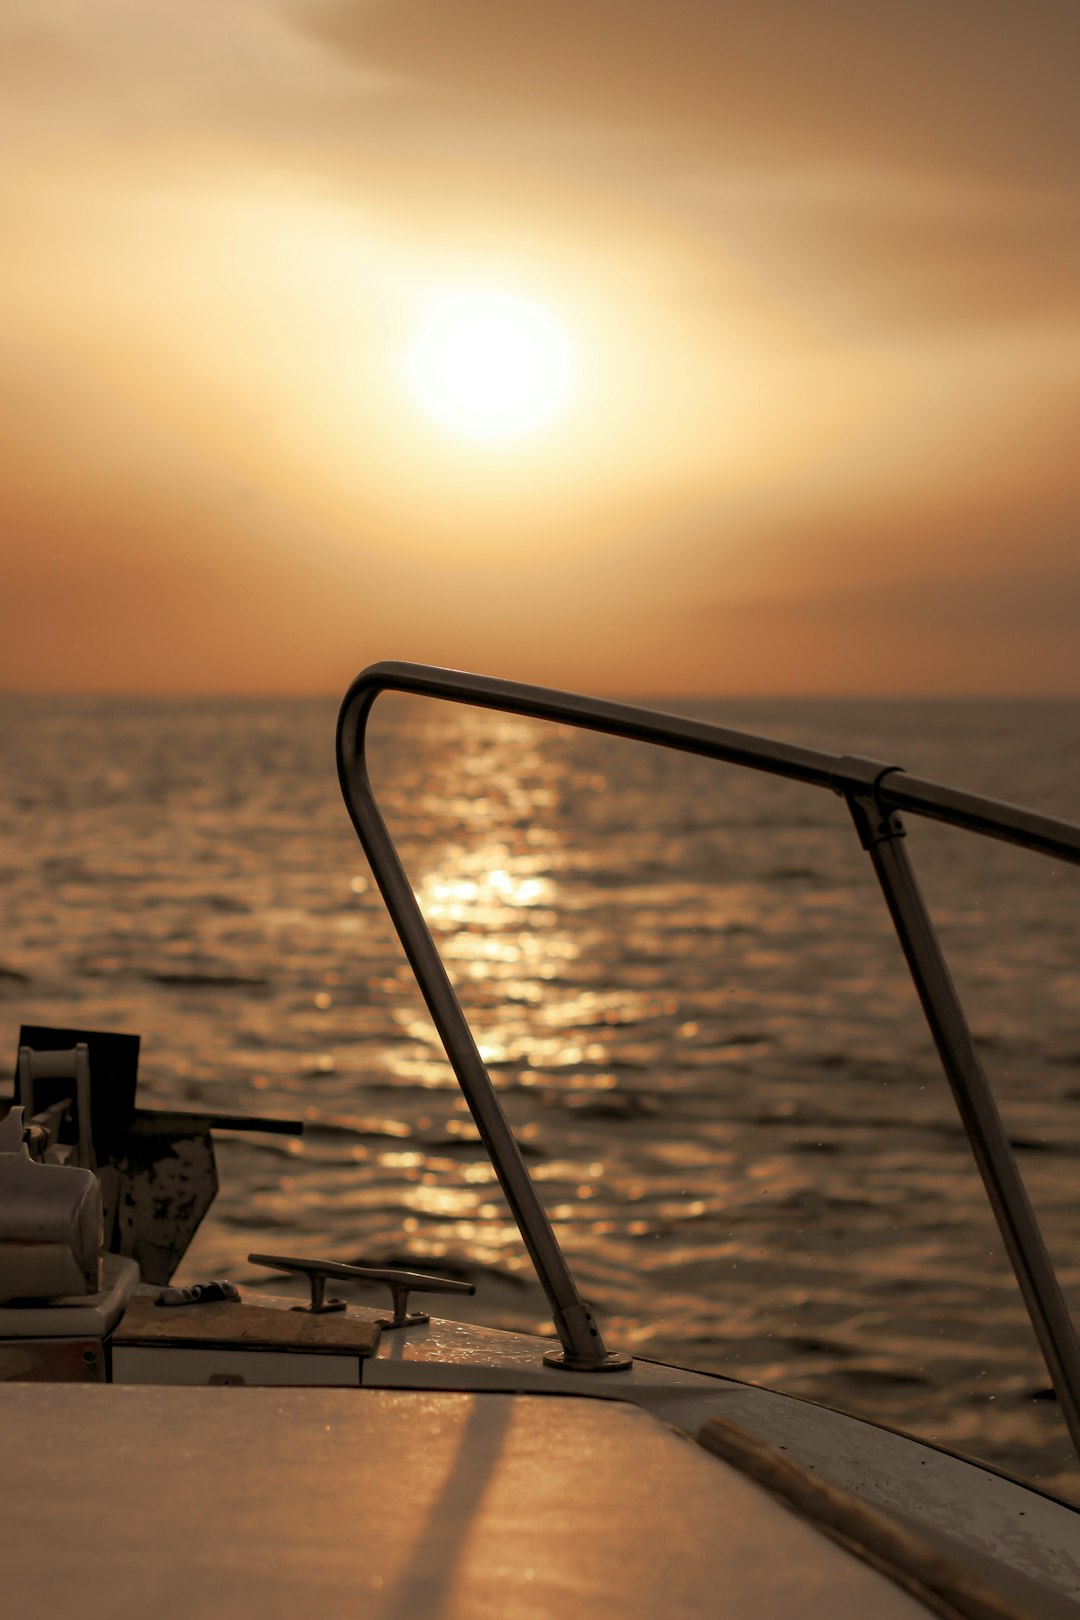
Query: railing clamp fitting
column 576, row 1327
column 857, row 780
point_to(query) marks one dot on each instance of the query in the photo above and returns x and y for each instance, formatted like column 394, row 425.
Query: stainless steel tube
column 883, row 838
column 972, row 811
column 583, row 1347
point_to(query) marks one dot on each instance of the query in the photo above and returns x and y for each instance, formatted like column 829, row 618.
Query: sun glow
column 490, row 366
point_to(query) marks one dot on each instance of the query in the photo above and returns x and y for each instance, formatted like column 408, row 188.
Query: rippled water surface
column 682, row 978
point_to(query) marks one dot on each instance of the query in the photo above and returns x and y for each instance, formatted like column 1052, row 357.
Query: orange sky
column 820, row 265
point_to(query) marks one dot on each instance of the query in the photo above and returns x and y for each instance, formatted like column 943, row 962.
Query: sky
column 813, row 273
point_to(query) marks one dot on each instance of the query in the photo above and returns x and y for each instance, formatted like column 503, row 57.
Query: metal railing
column 875, row 792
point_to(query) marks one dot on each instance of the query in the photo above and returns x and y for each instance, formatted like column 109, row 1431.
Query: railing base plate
column 611, row 1361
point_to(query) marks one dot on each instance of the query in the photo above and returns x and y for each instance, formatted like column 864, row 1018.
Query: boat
column 222, row 1451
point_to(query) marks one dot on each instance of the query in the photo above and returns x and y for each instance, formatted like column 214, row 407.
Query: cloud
column 976, row 90
column 883, row 166
column 1013, row 605
column 895, row 251
column 1013, row 632
column 134, row 84
column 881, row 169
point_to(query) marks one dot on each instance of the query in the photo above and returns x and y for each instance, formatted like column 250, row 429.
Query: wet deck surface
column 387, row 1503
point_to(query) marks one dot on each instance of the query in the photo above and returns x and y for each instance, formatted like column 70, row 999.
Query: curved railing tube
column 932, row 799
column 875, row 791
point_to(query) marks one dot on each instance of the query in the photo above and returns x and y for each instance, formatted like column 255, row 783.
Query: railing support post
column 583, row 1347
column 882, row 836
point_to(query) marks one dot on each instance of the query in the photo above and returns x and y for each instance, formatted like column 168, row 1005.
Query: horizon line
column 183, row 694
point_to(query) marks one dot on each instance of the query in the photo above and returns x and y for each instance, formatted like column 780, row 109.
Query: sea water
column 684, row 983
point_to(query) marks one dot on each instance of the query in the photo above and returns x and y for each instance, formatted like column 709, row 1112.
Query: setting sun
column 490, row 366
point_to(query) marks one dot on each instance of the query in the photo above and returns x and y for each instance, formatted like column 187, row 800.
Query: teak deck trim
column 223, row 1324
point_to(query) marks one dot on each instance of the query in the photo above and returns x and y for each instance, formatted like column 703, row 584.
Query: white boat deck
column 177, row 1502
column 1001, row 1528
